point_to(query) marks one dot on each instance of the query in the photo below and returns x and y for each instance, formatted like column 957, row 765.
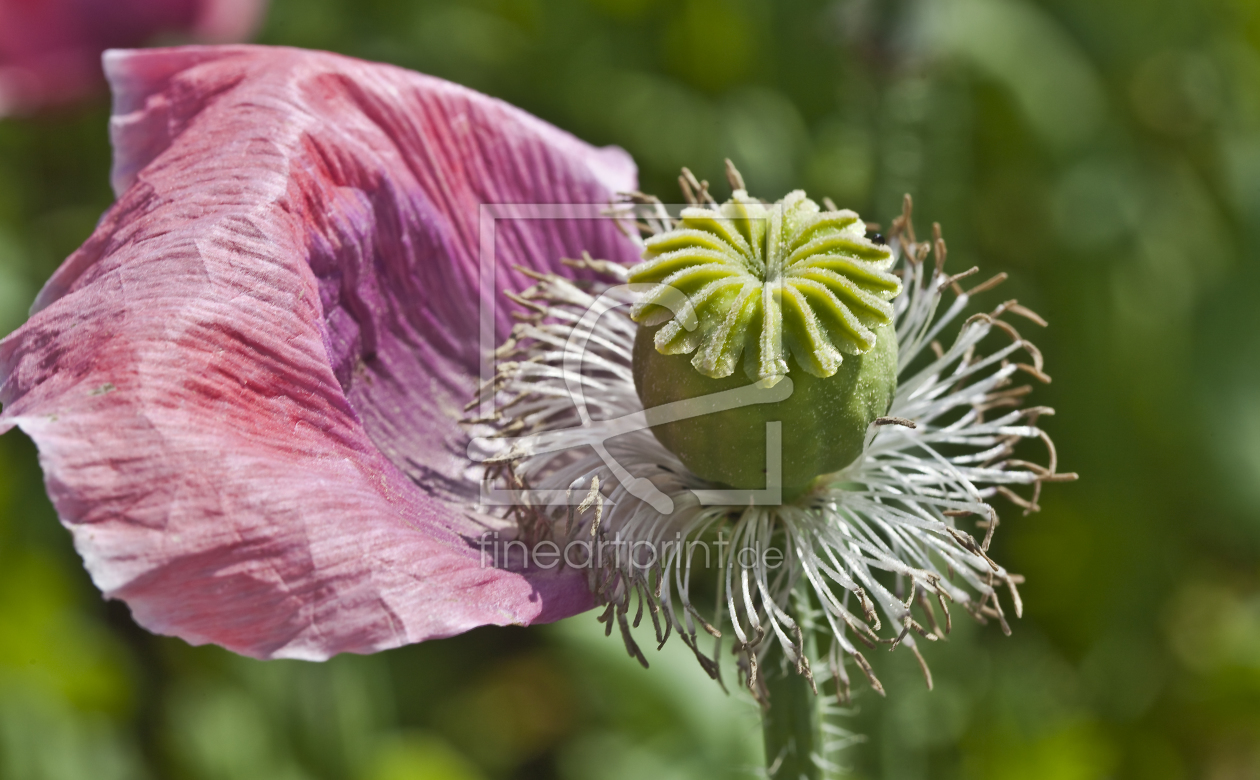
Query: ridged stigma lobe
column 766, row 281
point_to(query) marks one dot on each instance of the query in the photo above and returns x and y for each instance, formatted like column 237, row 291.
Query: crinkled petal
column 245, row 386
column 50, row 50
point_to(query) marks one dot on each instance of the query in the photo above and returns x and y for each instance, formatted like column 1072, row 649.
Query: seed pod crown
column 765, row 281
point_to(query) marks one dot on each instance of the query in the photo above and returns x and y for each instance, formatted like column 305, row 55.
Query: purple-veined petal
column 244, row 387
column 50, row 50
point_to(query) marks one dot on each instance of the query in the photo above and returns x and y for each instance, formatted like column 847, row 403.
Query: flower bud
column 784, row 289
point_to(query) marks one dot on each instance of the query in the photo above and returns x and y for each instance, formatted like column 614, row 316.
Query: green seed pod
column 792, row 290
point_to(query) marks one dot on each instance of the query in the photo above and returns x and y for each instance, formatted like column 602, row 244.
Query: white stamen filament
column 879, row 537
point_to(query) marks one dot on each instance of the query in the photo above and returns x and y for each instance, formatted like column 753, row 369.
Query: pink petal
column 50, row 50
column 244, row 387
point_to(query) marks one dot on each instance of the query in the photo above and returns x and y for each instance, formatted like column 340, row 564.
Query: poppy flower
column 271, row 410
column 50, row 50
column 246, row 386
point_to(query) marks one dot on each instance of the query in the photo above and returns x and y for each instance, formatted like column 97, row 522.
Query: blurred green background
column 1105, row 154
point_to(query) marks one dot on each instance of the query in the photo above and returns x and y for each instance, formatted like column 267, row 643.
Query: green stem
column 792, row 725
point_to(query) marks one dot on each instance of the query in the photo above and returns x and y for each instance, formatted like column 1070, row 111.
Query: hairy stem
column 792, row 725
